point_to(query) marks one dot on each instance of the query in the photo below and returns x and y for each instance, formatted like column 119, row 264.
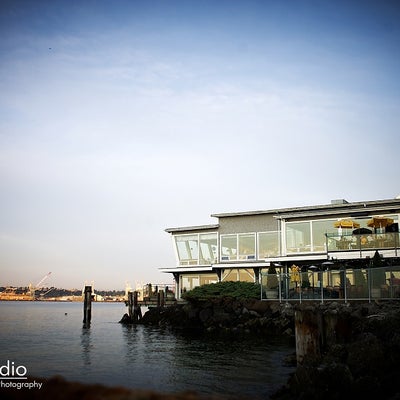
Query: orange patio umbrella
column 380, row 222
column 346, row 223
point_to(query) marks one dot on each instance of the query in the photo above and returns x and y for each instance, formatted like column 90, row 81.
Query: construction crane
column 34, row 288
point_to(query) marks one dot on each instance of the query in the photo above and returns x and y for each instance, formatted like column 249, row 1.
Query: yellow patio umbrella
column 346, row 223
column 295, row 273
column 379, row 222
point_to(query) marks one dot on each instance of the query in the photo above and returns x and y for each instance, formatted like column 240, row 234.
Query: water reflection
column 86, row 346
column 251, row 368
column 136, row 356
column 172, row 362
column 132, row 338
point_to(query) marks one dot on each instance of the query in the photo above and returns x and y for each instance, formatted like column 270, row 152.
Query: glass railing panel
column 341, row 242
column 363, row 242
column 333, row 285
column 393, row 282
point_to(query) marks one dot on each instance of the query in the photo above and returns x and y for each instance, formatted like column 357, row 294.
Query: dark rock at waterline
column 126, row 319
column 225, row 316
column 134, row 319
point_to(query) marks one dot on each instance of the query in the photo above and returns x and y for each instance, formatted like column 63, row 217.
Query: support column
column 256, row 275
column 219, row 272
column 177, row 286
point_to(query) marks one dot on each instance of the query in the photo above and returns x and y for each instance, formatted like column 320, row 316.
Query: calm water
column 48, row 339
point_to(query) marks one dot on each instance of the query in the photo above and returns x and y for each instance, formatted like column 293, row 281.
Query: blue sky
column 120, row 119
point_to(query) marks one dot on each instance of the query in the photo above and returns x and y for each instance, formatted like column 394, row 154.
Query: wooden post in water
column 162, row 298
column 87, row 307
column 309, row 331
column 137, row 311
column 130, row 305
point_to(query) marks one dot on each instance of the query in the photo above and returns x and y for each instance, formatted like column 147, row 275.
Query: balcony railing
column 333, row 285
column 363, row 242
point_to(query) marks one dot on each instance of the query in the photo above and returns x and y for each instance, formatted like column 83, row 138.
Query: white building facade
column 241, row 246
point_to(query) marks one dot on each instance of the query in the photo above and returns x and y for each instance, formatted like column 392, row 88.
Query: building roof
column 335, row 206
column 192, row 228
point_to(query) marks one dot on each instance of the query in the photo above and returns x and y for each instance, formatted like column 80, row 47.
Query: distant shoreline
column 59, row 300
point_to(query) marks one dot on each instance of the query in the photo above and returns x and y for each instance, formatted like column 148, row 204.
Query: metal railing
column 366, row 284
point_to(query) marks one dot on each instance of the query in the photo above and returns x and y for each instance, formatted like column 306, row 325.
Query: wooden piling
column 87, row 307
column 309, row 331
column 158, row 299
column 130, row 304
column 137, row 311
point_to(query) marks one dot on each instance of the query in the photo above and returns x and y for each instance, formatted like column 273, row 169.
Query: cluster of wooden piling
column 134, row 310
column 134, row 315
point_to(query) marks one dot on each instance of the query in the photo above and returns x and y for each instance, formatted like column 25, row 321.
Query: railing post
column 369, row 283
column 279, row 287
column 287, row 283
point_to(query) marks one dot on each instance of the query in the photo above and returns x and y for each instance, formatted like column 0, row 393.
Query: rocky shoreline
column 225, row 316
column 356, row 354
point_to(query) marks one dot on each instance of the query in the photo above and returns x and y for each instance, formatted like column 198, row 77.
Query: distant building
column 242, row 245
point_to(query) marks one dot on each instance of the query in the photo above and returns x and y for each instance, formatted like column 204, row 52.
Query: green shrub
column 237, row 290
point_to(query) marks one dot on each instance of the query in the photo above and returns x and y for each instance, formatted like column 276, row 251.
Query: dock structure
column 157, row 296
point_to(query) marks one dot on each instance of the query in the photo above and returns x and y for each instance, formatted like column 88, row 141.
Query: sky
column 119, row 119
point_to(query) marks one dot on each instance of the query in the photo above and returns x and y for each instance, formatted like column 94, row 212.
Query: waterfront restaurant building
column 241, row 246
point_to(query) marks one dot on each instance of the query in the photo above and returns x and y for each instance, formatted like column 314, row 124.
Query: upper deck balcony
column 363, row 244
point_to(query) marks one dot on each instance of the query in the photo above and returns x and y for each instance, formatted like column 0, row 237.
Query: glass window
column 298, row 237
column 208, row 248
column 268, row 244
column 188, row 249
column 189, row 282
column 237, row 274
column 319, row 228
column 247, row 246
column 228, row 247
